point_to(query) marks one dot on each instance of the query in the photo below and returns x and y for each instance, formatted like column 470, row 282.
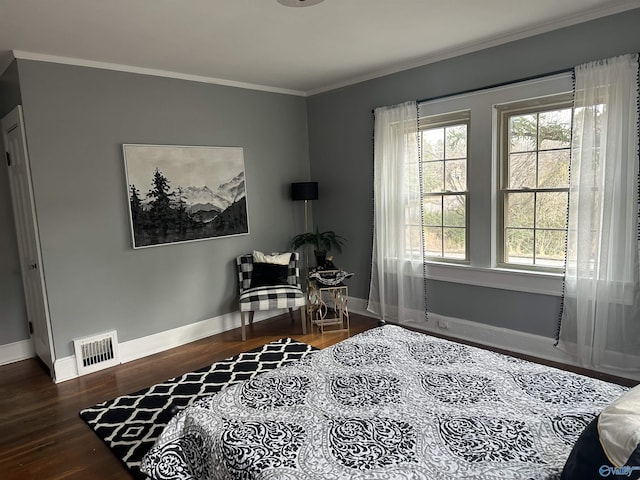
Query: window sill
column 542, row 283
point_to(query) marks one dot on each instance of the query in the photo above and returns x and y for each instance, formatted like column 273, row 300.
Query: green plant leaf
column 320, row 240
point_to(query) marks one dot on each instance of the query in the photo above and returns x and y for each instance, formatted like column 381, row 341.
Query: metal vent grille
column 96, row 352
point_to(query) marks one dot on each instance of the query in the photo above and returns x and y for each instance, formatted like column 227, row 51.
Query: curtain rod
column 496, row 85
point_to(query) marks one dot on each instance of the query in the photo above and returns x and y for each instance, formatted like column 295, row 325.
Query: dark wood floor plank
column 42, row 435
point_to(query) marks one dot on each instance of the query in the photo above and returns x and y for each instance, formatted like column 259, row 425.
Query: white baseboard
column 66, row 368
column 359, row 306
column 16, row 351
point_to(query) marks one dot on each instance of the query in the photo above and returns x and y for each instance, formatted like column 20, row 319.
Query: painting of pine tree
column 182, row 194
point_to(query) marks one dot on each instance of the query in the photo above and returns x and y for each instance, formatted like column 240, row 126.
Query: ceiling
column 265, row 45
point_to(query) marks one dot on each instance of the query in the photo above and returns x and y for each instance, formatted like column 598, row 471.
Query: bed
column 388, row 403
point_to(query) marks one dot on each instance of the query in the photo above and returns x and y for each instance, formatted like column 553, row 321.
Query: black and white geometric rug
column 130, row 424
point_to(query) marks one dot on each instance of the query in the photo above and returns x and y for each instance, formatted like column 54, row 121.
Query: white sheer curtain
column 396, row 290
column 600, row 324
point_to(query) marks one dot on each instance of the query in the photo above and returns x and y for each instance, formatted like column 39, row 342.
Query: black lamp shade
column 304, row 191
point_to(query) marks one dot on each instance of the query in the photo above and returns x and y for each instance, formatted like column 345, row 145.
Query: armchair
column 268, row 286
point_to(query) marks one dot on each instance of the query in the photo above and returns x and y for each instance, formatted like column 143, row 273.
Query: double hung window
column 444, row 152
column 535, row 146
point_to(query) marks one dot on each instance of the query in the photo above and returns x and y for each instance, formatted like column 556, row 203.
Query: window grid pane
column 433, row 173
column 453, row 211
column 455, row 142
column 554, row 129
column 523, row 133
column 454, row 242
column 519, row 248
column 522, row 170
column 550, row 245
column 455, row 175
column 433, row 241
column 432, row 210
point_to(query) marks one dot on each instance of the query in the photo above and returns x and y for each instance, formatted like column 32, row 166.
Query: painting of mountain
column 182, row 194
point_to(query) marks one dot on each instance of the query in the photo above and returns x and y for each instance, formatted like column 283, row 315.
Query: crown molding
column 79, row 62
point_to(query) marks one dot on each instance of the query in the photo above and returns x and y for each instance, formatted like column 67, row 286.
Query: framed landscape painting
column 183, row 194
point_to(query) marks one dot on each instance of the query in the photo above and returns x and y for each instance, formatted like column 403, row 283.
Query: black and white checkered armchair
column 267, row 286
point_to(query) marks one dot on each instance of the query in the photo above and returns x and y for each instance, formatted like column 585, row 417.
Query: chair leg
column 303, row 318
column 244, row 333
column 251, row 317
column 291, row 314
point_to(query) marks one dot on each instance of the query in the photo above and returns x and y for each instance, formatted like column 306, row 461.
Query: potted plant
column 322, row 242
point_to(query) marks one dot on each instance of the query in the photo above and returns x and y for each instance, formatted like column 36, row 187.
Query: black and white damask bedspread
column 386, row 404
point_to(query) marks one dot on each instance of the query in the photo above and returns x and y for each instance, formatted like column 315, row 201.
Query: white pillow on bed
column 619, row 427
column 610, row 445
column 274, row 258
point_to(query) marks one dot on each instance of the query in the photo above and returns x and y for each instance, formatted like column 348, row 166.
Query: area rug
column 130, row 424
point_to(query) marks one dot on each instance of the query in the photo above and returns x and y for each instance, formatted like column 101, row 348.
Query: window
column 535, row 146
column 486, row 202
column 444, row 151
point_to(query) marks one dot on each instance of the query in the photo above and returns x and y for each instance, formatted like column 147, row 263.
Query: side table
column 327, row 306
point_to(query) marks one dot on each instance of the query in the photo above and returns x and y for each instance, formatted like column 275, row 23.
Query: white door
column 27, row 232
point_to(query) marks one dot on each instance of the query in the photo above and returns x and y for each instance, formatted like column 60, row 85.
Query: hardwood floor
column 41, row 433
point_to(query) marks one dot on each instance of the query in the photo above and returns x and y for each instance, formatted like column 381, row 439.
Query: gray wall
column 76, row 122
column 341, row 152
column 13, row 315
